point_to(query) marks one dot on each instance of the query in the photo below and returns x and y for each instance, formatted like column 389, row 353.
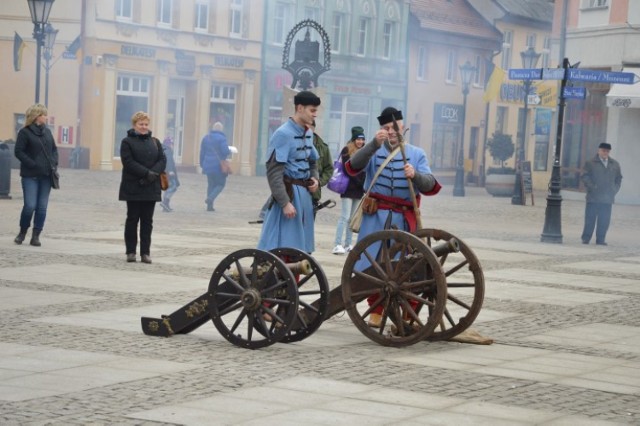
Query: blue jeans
column 349, row 206
column 35, row 191
column 215, row 185
column 173, row 187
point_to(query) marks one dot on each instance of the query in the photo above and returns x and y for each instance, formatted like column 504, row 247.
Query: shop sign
column 355, row 90
column 138, row 51
column 447, row 113
column 229, row 61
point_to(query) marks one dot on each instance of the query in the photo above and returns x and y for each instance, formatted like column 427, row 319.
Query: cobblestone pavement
column 564, row 317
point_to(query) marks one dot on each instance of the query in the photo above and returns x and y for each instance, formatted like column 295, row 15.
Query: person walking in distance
column 172, row 172
column 353, row 194
column 143, row 160
column 214, row 149
column 602, row 177
column 293, row 178
column 38, row 155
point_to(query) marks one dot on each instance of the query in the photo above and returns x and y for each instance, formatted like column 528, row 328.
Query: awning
column 625, row 95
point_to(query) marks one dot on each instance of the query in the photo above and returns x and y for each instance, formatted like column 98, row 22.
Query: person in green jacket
column 324, row 164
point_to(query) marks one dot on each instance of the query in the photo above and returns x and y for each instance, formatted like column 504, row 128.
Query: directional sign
column 574, row 93
column 552, row 73
column 525, row 74
column 592, row 76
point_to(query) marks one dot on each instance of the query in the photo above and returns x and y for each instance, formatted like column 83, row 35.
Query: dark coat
column 213, row 148
column 602, row 183
column 355, row 188
column 29, row 150
column 324, row 165
column 140, row 154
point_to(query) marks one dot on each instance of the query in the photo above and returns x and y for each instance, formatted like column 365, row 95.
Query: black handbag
column 55, row 176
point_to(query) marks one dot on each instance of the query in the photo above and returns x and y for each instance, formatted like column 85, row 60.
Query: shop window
column 235, row 18
column 223, row 107
column 336, row 41
column 164, row 13
column 123, row 10
column 132, row 95
column 201, row 23
column 345, row 112
column 444, row 147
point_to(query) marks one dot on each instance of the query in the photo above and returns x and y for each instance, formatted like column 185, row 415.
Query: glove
column 152, row 176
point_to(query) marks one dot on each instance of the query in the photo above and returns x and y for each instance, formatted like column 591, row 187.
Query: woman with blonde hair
column 143, row 160
column 38, row 155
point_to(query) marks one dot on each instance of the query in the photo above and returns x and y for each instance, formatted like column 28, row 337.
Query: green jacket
column 324, row 164
column 602, row 183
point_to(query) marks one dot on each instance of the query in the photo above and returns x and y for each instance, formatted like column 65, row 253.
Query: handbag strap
column 44, row 151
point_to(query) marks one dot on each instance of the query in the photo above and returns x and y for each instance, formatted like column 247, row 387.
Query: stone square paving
column 564, row 318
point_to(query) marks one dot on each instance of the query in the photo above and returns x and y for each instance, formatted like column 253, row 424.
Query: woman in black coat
column 142, row 162
column 38, row 155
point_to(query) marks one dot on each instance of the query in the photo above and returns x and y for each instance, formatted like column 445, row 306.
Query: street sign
column 574, row 93
column 592, row 76
column 533, row 100
column 525, row 74
column 68, row 55
column 552, row 73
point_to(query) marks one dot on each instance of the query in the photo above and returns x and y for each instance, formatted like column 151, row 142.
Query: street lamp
column 49, row 41
column 467, row 71
column 529, row 61
column 39, row 10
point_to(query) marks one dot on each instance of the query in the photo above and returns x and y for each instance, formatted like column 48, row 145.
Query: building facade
column 601, row 35
column 367, row 64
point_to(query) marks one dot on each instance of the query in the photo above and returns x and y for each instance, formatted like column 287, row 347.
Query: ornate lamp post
column 49, row 41
column 529, row 60
column 467, row 72
column 39, row 10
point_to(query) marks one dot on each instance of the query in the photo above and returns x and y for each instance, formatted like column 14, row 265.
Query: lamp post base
column 552, row 231
column 458, row 187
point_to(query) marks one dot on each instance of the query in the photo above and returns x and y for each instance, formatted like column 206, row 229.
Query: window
column 546, row 50
column 346, row 112
column 123, row 10
column 506, row 50
column 281, row 24
column 223, row 107
column 236, row 18
column 164, row 12
column 589, row 4
column 337, row 32
column 531, row 40
column 387, row 40
column 452, row 67
column 421, row 72
column 502, row 115
column 479, row 75
column 202, row 15
column 362, row 37
column 313, row 13
column 132, row 94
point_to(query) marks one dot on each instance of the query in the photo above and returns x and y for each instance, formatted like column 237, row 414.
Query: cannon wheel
column 311, row 288
column 252, row 288
column 405, row 271
column 465, row 292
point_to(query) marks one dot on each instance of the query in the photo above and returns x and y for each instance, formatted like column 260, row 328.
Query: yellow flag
column 492, row 89
column 18, row 47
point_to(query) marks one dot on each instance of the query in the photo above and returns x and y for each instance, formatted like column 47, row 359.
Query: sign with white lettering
column 574, row 93
column 525, row 74
column 447, row 113
column 592, row 76
column 552, row 73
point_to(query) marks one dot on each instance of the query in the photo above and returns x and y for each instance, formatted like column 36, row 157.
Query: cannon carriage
column 427, row 285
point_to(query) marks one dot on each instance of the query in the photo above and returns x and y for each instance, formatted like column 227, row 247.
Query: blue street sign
column 592, row 76
column 552, row 73
column 574, row 93
column 68, row 55
column 525, row 74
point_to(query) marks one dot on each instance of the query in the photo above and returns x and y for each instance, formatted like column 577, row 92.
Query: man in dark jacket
column 324, row 165
column 602, row 178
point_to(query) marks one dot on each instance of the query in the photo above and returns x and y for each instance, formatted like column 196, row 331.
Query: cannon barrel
column 302, row 267
column 450, row 246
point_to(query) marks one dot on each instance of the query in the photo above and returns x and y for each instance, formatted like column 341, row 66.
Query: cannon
column 427, row 286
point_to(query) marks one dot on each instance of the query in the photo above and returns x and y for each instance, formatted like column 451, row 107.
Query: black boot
column 21, row 236
column 35, row 238
column 210, row 206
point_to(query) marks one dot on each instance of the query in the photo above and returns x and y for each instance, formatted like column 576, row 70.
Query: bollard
column 5, row 172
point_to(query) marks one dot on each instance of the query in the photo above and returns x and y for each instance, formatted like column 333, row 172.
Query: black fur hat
column 388, row 114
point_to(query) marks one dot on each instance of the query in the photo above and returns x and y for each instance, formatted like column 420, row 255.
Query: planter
column 500, row 185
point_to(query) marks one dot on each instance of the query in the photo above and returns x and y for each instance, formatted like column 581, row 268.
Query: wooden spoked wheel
column 252, row 289
column 313, row 295
column 465, row 285
column 398, row 275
